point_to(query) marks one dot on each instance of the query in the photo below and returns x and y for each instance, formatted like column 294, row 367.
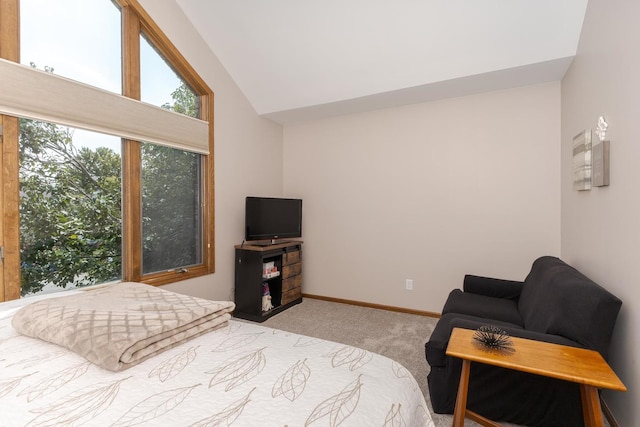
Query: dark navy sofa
column 555, row 303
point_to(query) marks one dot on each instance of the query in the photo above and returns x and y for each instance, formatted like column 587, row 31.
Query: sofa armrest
column 488, row 286
column 515, row 332
column 436, row 346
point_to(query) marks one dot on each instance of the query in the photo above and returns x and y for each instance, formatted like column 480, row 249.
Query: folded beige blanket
column 121, row 325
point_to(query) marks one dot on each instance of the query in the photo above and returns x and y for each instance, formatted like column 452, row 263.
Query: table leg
column 461, row 398
column 591, row 409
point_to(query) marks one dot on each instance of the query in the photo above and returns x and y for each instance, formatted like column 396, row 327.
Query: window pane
column 171, row 178
column 70, row 207
column 171, row 208
column 78, row 39
column 161, row 86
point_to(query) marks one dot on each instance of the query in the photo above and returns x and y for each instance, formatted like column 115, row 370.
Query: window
column 99, row 186
column 160, row 83
column 70, row 207
column 78, row 39
column 171, row 191
column 171, row 209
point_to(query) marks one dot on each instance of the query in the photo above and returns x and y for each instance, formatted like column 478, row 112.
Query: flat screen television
column 271, row 218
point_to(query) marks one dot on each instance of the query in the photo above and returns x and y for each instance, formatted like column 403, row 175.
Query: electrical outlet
column 408, row 284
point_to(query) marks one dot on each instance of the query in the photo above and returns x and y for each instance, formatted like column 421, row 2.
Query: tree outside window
column 71, row 213
column 92, row 208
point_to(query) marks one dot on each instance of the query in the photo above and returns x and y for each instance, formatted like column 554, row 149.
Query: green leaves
column 71, row 206
column 171, row 208
column 70, row 210
column 185, row 101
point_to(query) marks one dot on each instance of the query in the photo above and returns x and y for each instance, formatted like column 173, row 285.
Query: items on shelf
column 269, row 270
column 266, row 297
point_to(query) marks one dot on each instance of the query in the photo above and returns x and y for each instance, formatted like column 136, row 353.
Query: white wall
column 248, row 150
column 600, row 227
column 427, row 192
column 436, row 190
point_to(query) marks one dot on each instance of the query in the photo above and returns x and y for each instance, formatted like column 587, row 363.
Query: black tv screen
column 270, row 218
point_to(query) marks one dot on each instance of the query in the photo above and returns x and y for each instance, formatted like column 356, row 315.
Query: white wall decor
column 600, row 155
column 582, row 161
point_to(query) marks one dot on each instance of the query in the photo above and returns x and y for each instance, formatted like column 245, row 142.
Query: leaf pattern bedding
column 241, row 375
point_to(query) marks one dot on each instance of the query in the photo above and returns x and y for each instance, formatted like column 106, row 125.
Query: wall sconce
column 600, row 155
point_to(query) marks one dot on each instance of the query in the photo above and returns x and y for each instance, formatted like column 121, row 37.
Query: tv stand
column 285, row 283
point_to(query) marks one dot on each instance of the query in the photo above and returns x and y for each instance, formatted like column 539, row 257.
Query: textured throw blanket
column 121, row 325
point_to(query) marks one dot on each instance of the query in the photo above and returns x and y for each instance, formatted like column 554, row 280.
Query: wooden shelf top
column 278, row 245
column 573, row 364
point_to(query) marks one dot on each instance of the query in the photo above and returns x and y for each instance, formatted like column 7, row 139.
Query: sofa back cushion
column 536, row 303
column 557, row 299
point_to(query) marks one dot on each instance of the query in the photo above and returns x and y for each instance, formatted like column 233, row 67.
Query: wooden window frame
column 135, row 21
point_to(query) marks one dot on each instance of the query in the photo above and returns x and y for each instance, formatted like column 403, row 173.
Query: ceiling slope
column 303, row 59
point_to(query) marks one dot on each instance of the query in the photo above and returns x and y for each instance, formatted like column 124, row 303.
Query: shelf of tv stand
column 285, row 288
column 271, row 275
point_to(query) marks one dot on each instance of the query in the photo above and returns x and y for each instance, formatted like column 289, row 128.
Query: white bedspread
column 240, row 375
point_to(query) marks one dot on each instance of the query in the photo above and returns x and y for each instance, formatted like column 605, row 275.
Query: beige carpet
column 399, row 336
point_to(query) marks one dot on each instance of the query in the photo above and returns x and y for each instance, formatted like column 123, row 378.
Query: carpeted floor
column 399, row 336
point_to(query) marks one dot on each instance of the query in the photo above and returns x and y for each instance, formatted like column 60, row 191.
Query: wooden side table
column 585, row 367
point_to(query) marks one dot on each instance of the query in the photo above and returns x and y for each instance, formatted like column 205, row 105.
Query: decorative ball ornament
column 493, row 338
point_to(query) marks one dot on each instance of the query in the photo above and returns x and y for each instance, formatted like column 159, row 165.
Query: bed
column 237, row 374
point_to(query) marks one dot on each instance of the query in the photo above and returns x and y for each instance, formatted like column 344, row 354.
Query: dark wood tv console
column 285, row 283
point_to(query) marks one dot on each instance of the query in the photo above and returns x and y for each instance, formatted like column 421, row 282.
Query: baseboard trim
column 608, row 414
column 371, row 305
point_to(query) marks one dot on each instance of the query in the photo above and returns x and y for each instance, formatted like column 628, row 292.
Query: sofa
column 555, row 303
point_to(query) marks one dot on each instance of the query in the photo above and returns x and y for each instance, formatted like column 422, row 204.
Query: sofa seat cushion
column 436, row 347
column 500, row 309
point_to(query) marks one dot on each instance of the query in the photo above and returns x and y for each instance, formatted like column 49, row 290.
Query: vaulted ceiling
column 302, row 59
